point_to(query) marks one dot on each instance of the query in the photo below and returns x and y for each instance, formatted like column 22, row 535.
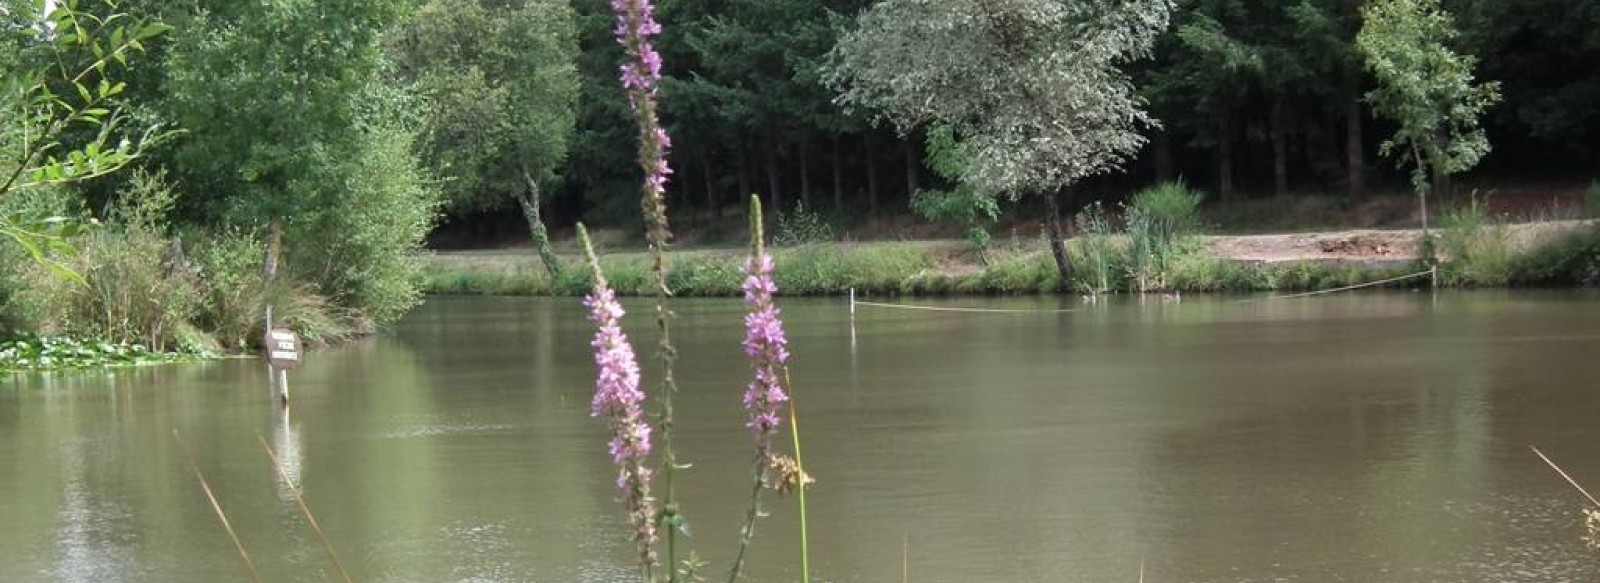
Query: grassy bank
column 1478, row 254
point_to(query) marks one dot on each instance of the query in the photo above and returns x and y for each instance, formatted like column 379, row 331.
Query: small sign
column 283, row 349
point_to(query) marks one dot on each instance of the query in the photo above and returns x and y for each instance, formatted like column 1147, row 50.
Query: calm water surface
column 1366, row 438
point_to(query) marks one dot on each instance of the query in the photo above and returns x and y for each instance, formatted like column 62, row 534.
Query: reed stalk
column 294, row 490
column 216, row 507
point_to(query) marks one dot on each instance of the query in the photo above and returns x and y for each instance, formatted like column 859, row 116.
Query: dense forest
column 1253, row 97
column 337, row 135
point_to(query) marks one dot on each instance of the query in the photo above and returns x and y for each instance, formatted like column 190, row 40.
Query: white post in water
column 269, row 272
column 852, row 304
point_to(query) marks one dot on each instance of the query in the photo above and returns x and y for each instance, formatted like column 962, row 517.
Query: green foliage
column 359, row 250
column 63, row 123
column 1203, row 272
column 1033, row 88
column 1100, row 254
column 136, row 286
column 1161, row 221
column 1425, row 87
column 1015, row 274
column 229, row 265
column 310, row 134
column 502, row 83
column 962, row 205
column 706, row 275
column 1570, row 260
column 802, row 226
column 32, row 353
column 1477, row 248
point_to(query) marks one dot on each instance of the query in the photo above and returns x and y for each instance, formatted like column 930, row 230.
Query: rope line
column 1345, row 288
column 959, row 309
column 855, row 302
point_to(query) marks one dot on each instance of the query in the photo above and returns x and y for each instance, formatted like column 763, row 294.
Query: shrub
column 1476, row 247
column 801, row 226
column 136, row 289
column 229, row 265
column 1572, row 260
column 138, row 286
column 359, row 249
column 19, row 310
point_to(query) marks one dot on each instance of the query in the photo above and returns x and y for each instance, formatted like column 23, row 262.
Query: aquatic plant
column 618, row 400
column 640, row 73
column 768, row 349
column 32, row 353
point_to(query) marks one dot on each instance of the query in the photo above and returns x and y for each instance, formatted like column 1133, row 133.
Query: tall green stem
column 747, row 530
column 800, row 465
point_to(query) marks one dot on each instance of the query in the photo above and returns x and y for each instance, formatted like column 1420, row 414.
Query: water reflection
column 1365, row 438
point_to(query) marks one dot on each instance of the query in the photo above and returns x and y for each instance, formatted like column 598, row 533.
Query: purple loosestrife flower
column 640, row 72
column 767, row 347
column 618, row 400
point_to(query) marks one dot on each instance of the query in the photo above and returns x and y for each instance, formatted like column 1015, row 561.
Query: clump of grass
column 1203, row 272
column 831, row 270
column 1477, row 247
column 707, row 275
column 1014, row 274
column 1098, row 253
column 1160, row 221
column 1570, row 260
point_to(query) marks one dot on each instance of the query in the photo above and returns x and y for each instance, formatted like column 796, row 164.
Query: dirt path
column 1363, row 245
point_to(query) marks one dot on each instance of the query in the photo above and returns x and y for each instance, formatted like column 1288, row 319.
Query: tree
column 310, row 134
column 1543, row 53
column 1427, row 89
column 1031, row 87
column 502, row 81
column 60, row 74
column 961, row 204
column 1211, row 70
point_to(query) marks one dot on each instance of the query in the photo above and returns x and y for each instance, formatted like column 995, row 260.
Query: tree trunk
column 838, row 176
column 1058, row 241
column 541, row 238
column 872, row 176
column 1280, row 149
column 913, row 165
column 774, row 182
column 1163, row 155
column 805, row 175
column 742, row 158
column 710, row 184
column 1224, row 159
column 1355, row 155
column 1441, row 179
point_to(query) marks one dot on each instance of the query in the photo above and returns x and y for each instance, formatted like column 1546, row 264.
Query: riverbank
column 1552, row 253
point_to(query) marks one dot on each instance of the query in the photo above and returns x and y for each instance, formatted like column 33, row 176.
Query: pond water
column 1363, row 437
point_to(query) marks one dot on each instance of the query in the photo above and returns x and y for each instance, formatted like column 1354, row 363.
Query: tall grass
column 1570, row 260
column 1159, row 220
column 1476, row 247
column 1098, row 253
